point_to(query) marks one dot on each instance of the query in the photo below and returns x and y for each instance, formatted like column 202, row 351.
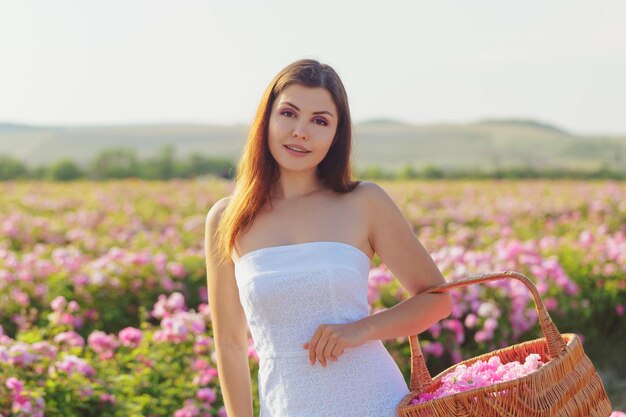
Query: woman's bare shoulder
column 367, row 196
column 361, row 197
column 363, row 185
column 216, row 210
column 366, row 190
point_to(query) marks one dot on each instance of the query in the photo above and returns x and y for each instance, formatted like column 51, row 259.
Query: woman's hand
column 330, row 340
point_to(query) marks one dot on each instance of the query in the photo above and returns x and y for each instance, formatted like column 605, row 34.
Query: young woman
column 288, row 254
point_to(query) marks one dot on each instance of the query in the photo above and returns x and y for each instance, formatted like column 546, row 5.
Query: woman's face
column 305, row 117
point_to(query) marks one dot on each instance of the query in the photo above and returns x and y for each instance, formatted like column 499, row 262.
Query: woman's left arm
column 394, row 240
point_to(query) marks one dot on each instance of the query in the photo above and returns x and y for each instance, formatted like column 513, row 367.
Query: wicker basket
column 567, row 385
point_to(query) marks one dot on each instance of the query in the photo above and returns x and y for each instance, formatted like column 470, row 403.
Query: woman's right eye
column 286, row 111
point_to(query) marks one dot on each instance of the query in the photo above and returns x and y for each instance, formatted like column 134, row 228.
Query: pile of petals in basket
column 481, row 374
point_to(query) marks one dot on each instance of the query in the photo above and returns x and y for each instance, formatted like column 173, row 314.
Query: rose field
column 103, row 303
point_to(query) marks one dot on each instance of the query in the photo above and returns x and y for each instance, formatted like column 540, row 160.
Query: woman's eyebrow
column 315, row 112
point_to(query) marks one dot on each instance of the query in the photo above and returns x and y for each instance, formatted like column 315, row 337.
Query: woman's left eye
column 289, row 113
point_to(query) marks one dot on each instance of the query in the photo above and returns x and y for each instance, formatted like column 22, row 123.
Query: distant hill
column 389, row 144
column 524, row 122
column 381, row 121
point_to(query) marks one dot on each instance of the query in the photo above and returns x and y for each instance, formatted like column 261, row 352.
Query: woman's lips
column 296, row 153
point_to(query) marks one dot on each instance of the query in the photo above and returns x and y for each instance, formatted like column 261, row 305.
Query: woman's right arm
column 230, row 332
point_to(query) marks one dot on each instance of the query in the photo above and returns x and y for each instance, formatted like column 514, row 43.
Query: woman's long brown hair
column 257, row 170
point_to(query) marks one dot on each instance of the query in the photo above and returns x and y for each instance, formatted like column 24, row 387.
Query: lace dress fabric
column 286, row 293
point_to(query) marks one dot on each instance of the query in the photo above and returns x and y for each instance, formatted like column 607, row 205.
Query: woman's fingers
column 331, row 345
column 337, row 351
column 312, row 346
column 321, row 346
column 328, row 343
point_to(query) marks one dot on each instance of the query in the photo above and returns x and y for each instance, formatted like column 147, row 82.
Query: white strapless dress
column 286, row 293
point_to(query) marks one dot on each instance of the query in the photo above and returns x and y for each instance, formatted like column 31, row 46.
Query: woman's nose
column 299, row 132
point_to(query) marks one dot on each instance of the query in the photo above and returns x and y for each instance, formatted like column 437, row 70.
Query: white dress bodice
column 286, row 293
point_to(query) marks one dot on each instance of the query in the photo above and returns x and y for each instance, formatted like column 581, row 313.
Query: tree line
column 118, row 163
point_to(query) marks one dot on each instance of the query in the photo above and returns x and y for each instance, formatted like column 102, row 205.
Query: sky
column 78, row 62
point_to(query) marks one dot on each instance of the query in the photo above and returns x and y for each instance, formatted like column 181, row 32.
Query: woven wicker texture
column 566, row 386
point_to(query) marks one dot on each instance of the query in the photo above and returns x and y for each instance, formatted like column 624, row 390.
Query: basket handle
column 420, row 376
